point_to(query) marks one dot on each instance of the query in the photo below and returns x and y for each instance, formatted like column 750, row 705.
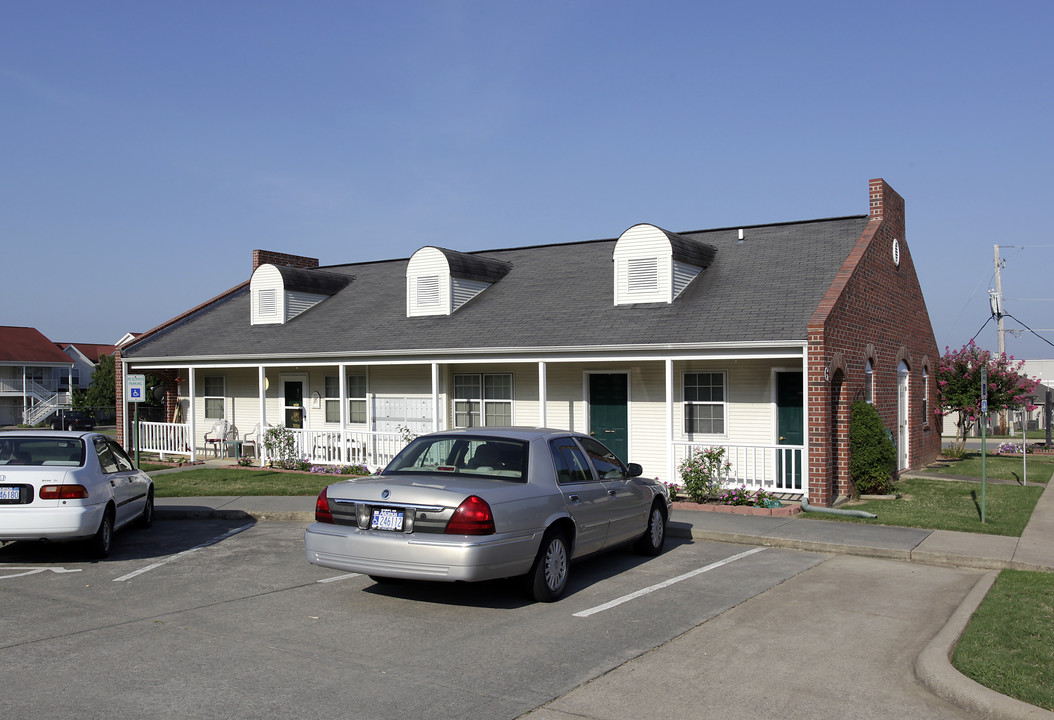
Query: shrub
column 281, row 447
column 702, row 473
column 872, row 454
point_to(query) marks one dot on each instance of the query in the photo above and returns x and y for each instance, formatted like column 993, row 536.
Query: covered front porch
column 655, row 410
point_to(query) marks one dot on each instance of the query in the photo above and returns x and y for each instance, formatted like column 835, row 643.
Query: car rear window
column 464, row 455
column 67, row 452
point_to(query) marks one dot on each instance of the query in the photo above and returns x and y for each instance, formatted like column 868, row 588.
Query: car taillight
column 472, row 517
column 63, row 492
column 322, row 511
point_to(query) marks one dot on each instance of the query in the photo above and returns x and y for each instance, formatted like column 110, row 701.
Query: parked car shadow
column 508, row 593
column 163, row 538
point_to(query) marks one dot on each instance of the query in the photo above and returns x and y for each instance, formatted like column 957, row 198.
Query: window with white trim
column 869, row 383
column 215, row 394
column 704, row 403
column 482, row 399
column 925, row 396
column 356, row 390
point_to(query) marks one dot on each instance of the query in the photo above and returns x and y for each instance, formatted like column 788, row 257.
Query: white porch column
column 542, row 395
column 342, row 392
column 192, row 415
column 806, row 403
column 435, row 397
column 671, row 459
column 261, row 376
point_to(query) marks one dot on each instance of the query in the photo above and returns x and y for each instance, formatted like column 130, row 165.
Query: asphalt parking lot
column 210, row 618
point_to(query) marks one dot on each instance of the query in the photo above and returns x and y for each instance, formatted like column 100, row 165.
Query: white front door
column 903, row 413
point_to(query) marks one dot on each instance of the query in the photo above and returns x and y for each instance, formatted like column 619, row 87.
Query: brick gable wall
column 873, row 310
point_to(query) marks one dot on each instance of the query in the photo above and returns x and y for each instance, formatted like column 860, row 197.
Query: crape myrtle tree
column 959, row 386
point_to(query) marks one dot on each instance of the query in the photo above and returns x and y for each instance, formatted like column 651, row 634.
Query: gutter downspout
column 805, row 506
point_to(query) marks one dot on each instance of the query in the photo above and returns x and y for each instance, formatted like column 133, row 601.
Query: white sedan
column 60, row 486
column 484, row 503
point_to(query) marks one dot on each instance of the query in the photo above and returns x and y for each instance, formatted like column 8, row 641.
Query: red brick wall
column 269, row 257
column 873, row 306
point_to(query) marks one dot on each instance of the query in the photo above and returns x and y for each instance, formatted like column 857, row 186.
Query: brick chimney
column 269, row 257
column 885, row 202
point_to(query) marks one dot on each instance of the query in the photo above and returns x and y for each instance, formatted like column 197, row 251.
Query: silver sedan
column 484, row 503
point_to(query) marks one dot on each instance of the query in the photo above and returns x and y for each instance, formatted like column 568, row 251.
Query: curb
column 934, row 669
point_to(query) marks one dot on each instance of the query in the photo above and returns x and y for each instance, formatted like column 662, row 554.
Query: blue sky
column 148, row 148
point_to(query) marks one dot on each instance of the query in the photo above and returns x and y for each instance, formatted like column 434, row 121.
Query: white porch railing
column 164, row 438
column 349, row 447
column 774, row 468
column 322, row 447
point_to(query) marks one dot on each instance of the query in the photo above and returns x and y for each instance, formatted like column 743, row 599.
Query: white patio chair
column 215, row 437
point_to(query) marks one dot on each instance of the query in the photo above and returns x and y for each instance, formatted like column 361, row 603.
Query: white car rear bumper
column 52, row 523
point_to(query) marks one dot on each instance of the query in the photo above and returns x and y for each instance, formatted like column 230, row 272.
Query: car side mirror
column 634, row 470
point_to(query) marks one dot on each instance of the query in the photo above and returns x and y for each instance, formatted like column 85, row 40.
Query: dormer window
column 268, row 302
column 428, row 291
column 655, row 266
column 642, row 275
column 280, row 293
column 439, row 281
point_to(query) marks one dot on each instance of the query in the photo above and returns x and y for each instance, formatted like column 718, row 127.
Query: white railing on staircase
column 40, row 411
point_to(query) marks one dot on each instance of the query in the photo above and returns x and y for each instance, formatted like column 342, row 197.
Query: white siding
column 298, row 302
column 682, row 275
column 267, row 278
column 464, row 290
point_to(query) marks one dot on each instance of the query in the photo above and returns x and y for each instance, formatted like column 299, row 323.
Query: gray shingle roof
column 761, row 290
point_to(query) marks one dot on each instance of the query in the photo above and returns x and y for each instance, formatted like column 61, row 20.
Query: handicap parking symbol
column 136, row 392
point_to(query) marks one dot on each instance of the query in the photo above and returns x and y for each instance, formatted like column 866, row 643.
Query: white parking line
column 339, row 577
column 664, row 584
column 34, row 571
column 178, row 555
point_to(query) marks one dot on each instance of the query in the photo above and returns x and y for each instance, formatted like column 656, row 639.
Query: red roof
column 92, row 351
column 29, row 346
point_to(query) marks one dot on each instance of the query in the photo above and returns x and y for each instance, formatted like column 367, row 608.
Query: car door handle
column 572, row 498
column 611, row 493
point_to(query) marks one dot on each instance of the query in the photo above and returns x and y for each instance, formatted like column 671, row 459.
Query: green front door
column 791, row 419
column 608, row 411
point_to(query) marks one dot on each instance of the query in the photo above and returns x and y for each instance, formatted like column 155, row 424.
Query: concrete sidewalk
column 813, row 623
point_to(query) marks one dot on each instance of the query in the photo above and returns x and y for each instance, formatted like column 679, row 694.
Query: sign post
column 135, row 392
column 984, row 427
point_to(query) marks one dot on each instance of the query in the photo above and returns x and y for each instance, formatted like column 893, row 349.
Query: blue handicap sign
column 136, row 392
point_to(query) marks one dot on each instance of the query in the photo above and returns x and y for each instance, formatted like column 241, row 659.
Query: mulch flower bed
column 785, row 510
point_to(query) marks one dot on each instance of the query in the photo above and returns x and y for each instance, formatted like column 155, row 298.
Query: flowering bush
column 703, row 473
column 959, row 385
column 340, row 469
column 676, row 490
column 1011, row 449
column 742, row 496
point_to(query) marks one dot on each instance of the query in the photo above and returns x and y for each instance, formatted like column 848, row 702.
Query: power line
column 1048, row 342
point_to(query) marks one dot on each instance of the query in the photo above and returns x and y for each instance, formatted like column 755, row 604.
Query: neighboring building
column 85, row 357
column 35, row 376
column 754, row 338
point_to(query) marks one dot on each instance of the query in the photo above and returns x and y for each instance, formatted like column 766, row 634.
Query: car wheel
column 547, row 578
column 147, row 518
column 654, row 537
column 99, row 545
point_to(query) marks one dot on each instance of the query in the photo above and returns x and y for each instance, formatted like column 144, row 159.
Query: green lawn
column 239, row 481
column 949, row 505
column 1009, row 643
column 1039, row 468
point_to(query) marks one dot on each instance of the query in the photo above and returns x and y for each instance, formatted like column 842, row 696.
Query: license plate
column 387, row 519
column 10, row 493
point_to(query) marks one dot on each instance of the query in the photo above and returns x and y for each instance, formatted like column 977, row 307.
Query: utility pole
column 997, row 310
